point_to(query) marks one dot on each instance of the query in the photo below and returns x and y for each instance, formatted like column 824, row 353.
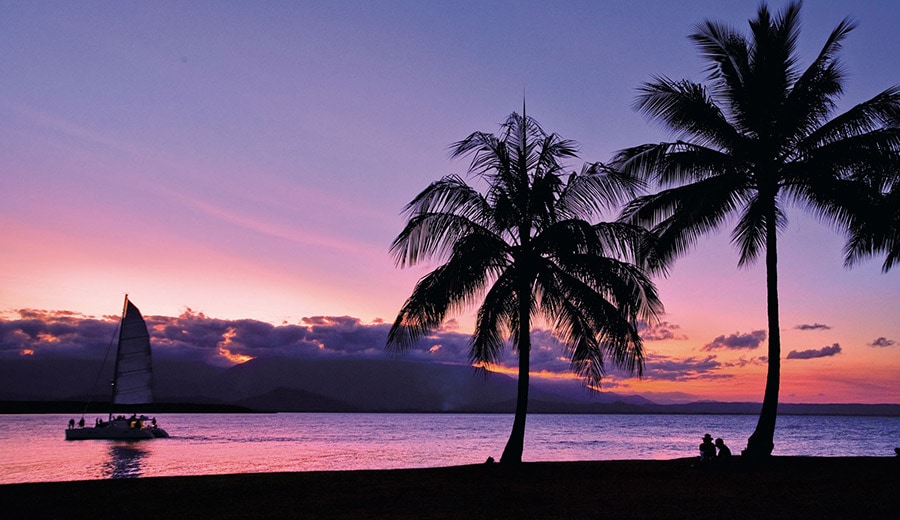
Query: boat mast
column 112, row 397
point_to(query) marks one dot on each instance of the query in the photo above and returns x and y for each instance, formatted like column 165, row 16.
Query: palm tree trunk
column 512, row 453
column 762, row 441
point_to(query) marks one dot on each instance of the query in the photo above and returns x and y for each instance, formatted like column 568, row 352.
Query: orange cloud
column 226, row 353
column 234, row 358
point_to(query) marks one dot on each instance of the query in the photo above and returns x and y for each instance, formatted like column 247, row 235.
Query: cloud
column 742, row 362
column 658, row 367
column 815, row 353
column 197, row 337
column 58, row 333
column 883, row 342
column 660, row 331
column 737, row 340
column 193, row 336
column 814, row 326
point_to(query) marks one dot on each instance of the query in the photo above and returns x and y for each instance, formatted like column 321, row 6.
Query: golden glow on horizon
column 226, row 353
column 512, row 371
column 26, row 352
column 234, row 358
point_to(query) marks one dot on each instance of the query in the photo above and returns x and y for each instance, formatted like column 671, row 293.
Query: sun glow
column 545, row 374
column 226, row 352
column 234, row 358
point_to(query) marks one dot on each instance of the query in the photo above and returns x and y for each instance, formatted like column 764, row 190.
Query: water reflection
column 124, row 461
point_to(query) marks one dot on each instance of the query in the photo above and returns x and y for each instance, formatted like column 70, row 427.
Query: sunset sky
column 249, row 160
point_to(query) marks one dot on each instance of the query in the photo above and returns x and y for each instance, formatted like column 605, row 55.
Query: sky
column 247, row 162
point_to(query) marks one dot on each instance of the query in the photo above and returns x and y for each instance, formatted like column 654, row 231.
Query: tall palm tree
column 757, row 138
column 525, row 250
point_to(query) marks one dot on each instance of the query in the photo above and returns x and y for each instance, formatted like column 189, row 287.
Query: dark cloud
column 883, row 342
column 660, row 331
column 346, row 335
column 815, row 353
column 55, row 334
column 440, row 347
column 665, row 368
column 743, row 362
column 548, row 354
column 658, row 367
column 814, row 326
column 195, row 336
column 737, row 340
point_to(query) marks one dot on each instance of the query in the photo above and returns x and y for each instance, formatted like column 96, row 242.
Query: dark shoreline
column 783, row 487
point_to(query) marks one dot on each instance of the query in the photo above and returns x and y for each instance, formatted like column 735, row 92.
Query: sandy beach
column 785, row 487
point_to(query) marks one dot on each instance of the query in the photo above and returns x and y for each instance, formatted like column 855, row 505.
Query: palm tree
column 525, row 251
column 756, row 139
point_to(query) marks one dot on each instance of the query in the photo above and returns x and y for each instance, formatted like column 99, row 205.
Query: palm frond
column 685, row 109
column 880, row 112
column 750, row 232
column 494, row 321
column 874, row 227
column 672, row 164
column 811, row 98
column 680, row 216
column 440, row 215
column 476, row 260
column 596, row 190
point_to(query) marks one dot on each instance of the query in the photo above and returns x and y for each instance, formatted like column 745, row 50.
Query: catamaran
column 132, row 385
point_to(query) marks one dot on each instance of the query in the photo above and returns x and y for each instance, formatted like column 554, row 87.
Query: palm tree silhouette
column 757, row 138
column 525, row 250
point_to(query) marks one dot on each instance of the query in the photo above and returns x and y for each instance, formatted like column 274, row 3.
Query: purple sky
column 250, row 160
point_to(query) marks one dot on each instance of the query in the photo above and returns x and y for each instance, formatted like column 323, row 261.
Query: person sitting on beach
column 707, row 449
column 724, row 451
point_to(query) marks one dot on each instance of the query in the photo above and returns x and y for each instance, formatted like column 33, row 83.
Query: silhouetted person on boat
column 81, row 423
column 724, row 452
column 71, row 423
column 707, row 449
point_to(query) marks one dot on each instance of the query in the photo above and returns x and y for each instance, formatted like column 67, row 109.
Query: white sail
column 133, row 383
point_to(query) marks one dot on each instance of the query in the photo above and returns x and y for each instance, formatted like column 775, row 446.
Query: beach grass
column 783, row 487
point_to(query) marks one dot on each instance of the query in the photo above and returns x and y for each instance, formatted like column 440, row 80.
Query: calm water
column 33, row 449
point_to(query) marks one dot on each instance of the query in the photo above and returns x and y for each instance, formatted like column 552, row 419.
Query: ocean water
column 33, row 447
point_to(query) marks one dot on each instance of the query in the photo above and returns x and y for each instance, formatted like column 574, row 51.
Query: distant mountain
column 289, row 384
column 384, row 385
column 349, row 385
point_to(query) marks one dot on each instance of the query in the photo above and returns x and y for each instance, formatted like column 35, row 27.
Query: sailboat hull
column 117, row 429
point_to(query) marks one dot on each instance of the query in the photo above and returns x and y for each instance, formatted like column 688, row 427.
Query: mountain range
column 281, row 384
